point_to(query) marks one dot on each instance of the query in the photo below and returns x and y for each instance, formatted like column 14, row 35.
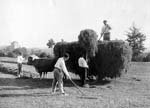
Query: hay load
column 88, row 41
column 105, row 59
column 87, row 46
column 111, row 60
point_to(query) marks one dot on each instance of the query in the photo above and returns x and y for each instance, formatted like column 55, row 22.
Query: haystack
column 111, row 60
column 74, row 50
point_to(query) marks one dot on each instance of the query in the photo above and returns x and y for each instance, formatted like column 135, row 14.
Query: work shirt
column 82, row 62
column 105, row 29
column 60, row 64
column 20, row 59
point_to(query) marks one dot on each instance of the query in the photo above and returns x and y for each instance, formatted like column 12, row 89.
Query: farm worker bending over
column 106, row 31
column 84, row 68
column 20, row 60
column 59, row 70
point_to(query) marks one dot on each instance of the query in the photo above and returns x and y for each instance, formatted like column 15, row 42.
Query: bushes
column 11, row 54
column 111, row 60
column 147, row 58
column 22, row 50
column 140, row 58
column 143, row 57
column 2, row 54
column 8, row 52
column 42, row 53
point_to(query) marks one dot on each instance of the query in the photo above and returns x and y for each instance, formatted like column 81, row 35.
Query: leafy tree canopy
column 135, row 39
column 50, row 43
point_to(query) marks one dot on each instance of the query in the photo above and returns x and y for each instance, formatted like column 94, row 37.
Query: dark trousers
column 84, row 75
column 106, row 36
column 19, row 68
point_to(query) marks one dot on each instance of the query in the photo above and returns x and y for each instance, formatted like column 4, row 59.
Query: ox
column 42, row 66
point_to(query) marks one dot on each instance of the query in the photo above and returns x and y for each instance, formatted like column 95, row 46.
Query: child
column 59, row 70
column 20, row 59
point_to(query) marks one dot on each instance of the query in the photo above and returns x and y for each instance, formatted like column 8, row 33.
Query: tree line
column 10, row 51
column 135, row 38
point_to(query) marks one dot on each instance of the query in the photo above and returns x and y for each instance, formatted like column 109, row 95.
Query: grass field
column 130, row 91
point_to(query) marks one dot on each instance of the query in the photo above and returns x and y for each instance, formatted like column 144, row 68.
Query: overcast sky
column 33, row 22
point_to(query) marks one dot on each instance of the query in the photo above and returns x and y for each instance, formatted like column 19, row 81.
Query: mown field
column 130, row 91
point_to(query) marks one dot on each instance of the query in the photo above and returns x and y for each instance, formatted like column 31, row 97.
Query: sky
column 33, row 22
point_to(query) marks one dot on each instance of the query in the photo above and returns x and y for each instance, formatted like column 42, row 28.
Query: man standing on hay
column 105, row 31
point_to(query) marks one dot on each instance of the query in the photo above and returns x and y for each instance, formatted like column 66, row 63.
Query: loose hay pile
column 111, row 60
column 88, row 41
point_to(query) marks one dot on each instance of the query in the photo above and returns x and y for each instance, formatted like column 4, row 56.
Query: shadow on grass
column 102, row 82
column 25, row 83
column 30, row 94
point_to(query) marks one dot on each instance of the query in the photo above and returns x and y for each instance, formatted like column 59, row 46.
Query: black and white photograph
column 74, row 53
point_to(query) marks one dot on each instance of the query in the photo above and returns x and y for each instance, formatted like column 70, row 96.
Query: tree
column 50, row 43
column 135, row 39
column 2, row 53
column 15, row 45
column 21, row 50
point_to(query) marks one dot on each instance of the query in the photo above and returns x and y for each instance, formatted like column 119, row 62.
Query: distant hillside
column 48, row 51
column 2, row 47
column 42, row 49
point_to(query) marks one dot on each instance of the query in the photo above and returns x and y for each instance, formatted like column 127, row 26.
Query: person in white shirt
column 20, row 60
column 83, row 68
column 59, row 70
column 105, row 32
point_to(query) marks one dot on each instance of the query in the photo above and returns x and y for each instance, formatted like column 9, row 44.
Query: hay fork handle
column 76, row 86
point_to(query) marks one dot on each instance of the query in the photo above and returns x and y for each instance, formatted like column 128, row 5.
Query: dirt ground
column 130, row 91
